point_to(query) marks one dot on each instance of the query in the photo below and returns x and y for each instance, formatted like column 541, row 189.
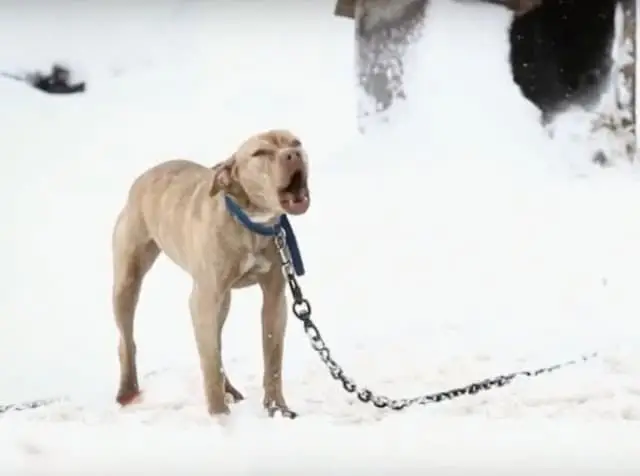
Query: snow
column 455, row 243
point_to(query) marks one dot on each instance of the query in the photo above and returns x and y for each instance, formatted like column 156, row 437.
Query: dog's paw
column 128, row 397
column 282, row 410
column 232, row 395
column 230, row 398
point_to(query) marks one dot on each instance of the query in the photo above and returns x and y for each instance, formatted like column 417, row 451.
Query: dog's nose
column 292, row 155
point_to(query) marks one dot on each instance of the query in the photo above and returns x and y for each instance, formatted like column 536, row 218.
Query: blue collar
column 269, row 230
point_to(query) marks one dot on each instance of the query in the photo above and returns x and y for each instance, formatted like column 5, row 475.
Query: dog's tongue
column 296, row 203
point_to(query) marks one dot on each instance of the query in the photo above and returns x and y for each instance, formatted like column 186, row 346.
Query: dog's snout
column 292, row 155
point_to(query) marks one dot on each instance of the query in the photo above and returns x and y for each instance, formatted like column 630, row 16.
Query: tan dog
column 178, row 208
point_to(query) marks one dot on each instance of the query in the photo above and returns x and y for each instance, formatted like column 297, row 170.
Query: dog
column 178, row 207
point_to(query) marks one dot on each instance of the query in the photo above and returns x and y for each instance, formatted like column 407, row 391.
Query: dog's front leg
column 206, row 302
column 229, row 389
column 274, row 322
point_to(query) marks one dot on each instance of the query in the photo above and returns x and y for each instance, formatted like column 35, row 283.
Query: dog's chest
column 254, row 260
column 254, row 263
column 251, row 267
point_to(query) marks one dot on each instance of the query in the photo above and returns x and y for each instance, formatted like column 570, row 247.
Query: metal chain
column 302, row 310
column 44, row 402
column 30, row 405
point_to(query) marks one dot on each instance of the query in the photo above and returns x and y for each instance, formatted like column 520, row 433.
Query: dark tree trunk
column 626, row 98
column 384, row 31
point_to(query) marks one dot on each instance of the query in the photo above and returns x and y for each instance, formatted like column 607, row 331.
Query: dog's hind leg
column 134, row 253
column 231, row 390
column 222, row 317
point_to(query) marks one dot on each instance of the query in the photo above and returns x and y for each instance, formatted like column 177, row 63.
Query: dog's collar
column 258, row 228
column 269, row 230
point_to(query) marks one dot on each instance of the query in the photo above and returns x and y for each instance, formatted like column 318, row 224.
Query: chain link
column 302, row 310
column 20, row 407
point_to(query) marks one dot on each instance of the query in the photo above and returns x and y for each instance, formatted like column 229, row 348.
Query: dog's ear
column 224, row 175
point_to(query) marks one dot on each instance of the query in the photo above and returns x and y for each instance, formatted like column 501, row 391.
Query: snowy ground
column 457, row 244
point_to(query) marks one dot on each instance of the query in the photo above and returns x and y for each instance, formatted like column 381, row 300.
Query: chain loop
column 30, row 405
column 302, row 310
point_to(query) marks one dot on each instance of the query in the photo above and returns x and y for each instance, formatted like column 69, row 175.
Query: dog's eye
column 296, row 143
column 262, row 153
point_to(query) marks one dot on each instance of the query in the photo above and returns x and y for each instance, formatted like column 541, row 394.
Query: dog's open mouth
column 294, row 198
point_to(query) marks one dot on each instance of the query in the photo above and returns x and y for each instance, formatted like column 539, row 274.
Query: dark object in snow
column 56, row 82
column 561, row 52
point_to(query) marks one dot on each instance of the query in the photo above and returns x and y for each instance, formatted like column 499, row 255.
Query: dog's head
column 272, row 169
